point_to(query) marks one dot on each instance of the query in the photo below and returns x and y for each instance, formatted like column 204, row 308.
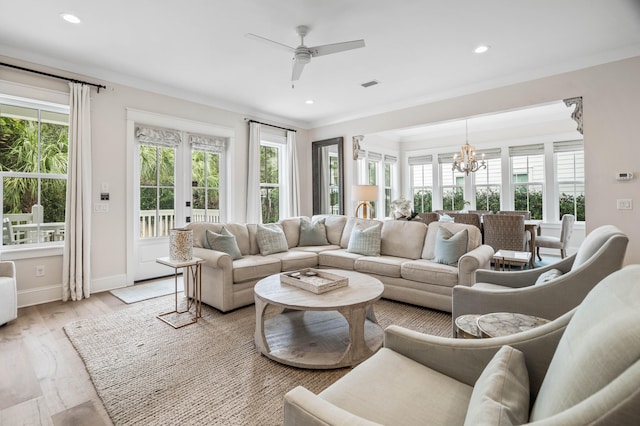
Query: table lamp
column 364, row 194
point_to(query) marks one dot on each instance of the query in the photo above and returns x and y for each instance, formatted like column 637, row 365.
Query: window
column 206, row 161
column 488, row 182
column 569, row 159
column 271, row 178
column 372, row 168
column 157, row 190
column 388, row 179
column 421, row 183
column 527, row 170
column 452, row 184
column 33, row 168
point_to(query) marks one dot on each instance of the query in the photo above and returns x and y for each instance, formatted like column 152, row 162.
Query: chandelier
column 465, row 161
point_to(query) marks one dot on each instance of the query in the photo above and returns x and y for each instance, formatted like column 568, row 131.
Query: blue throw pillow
column 365, row 241
column 450, row 247
column 271, row 239
column 225, row 241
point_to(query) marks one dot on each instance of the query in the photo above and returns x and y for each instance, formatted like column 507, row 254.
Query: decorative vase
column 180, row 244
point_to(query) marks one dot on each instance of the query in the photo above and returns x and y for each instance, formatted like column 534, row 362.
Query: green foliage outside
column 157, row 178
column 19, row 153
column 269, row 175
column 453, row 199
column 572, row 205
column 530, row 199
column 488, row 199
column 422, row 201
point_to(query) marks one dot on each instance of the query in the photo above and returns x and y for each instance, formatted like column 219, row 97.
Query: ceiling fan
column 302, row 54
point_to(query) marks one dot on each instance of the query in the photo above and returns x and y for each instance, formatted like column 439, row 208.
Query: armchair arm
column 470, row 262
column 517, row 279
column 7, row 269
column 464, row 359
column 303, row 407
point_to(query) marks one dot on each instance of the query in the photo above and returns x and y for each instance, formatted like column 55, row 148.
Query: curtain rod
column 97, row 86
column 270, row 125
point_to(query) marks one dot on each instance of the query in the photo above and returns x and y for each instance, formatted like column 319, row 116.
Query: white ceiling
column 420, row 50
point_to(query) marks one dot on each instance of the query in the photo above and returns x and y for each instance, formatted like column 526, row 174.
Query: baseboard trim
column 52, row 293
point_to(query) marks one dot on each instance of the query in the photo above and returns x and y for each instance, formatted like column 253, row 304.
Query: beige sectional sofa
column 405, row 265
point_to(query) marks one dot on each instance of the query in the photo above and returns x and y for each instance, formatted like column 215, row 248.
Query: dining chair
column 504, row 231
column 525, row 213
column 468, row 218
column 429, row 217
column 561, row 243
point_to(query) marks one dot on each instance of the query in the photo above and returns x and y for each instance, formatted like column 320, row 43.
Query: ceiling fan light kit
column 302, row 54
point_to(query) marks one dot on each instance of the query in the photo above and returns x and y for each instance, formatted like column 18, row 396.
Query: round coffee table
column 318, row 331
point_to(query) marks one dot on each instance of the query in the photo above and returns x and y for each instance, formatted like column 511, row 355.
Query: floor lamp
column 364, row 194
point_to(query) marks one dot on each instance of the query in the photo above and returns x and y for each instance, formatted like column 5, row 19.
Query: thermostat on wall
column 624, row 176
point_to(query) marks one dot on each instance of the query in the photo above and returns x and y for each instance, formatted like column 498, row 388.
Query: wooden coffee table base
column 331, row 330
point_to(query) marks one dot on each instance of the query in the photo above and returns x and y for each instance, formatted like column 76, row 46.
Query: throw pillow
column 313, row 233
column 501, row 393
column 551, row 274
column 225, row 241
column 365, row 241
column 450, row 247
column 271, row 239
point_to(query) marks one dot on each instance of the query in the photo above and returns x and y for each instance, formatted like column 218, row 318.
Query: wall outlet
column 40, row 271
column 624, row 204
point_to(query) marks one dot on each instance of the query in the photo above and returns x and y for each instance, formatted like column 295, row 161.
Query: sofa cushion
column 224, row 241
column 402, row 238
column 365, row 241
column 334, row 224
column 450, row 246
column 254, row 267
column 340, row 259
column 388, row 266
column 316, row 249
column 313, row 233
column 501, row 393
column 389, row 386
column 547, row 276
column 271, row 239
column 239, row 230
column 296, row 259
column 291, row 228
column 429, row 272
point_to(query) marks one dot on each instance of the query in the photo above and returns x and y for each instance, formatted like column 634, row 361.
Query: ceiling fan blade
column 271, row 42
column 336, row 47
column 298, row 66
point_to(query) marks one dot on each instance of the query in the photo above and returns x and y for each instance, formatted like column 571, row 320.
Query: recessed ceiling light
column 308, row 101
column 69, row 17
column 481, row 49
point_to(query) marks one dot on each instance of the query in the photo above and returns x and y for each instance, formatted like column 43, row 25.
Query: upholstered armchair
column 581, row 368
column 548, row 291
column 8, row 292
column 506, row 232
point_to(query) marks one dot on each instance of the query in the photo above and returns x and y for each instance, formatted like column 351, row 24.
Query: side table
column 192, row 271
column 506, row 323
column 467, row 326
column 503, row 258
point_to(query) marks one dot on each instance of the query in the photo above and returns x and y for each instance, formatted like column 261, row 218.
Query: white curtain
column 254, row 209
column 294, row 179
column 76, row 260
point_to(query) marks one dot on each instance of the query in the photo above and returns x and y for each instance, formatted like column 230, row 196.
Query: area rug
column 148, row 373
column 148, row 290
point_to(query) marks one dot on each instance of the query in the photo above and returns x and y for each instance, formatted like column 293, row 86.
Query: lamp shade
column 364, row 192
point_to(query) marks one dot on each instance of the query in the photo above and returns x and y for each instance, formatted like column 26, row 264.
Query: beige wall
column 611, row 110
column 611, row 100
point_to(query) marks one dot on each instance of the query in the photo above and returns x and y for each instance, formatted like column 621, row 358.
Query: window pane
column 19, row 128
column 270, row 204
column 422, row 201
column 197, row 168
column 570, row 177
column 167, row 163
column 268, row 164
column 148, row 163
column 197, row 202
column 54, row 154
column 213, row 170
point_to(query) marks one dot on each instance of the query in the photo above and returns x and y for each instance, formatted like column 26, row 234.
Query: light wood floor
column 43, row 381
